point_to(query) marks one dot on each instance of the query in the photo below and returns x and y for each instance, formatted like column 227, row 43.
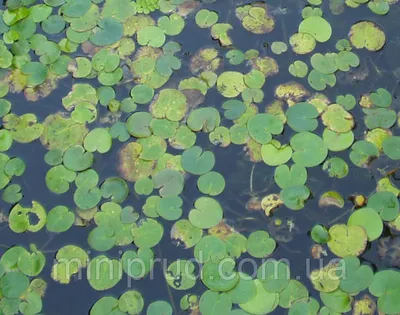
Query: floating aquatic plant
column 141, row 123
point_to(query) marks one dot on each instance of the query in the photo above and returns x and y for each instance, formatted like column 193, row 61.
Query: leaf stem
column 166, row 283
column 251, row 179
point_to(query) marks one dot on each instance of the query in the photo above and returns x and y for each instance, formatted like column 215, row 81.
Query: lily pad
column 337, row 119
column 275, row 154
column 294, row 176
column 385, row 287
column 316, row 26
column 185, row 232
column 302, row 117
column 309, row 149
column 219, row 277
column 356, row 277
column 197, row 162
column 59, row 219
column 367, row 34
column 363, row 152
column 206, row 214
column 347, row 240
column 103, row 273
column 264, row 302
column 214, row 303
column 385, row 203
column 370, row 220
column 260, row 244
column 180, row 275
column 294, row 197
column 108, row 32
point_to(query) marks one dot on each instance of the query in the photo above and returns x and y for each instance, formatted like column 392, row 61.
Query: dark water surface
column 231, row 162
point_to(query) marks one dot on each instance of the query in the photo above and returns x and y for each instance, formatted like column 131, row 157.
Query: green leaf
column 170, row 208
column 304, row 306
column 261, row 126
column 186, row 232
column 385, row 203
column 293, row 292
column 63, row 270
column 210, row 248
column 31, row 264
column 13, row 284
column 337, row 119
column 317, row 27
column 319, row 234
column 367, row 34
column 114, row 188
column 205, row 119
column 148, row 233
column 27, row 219
column 106, row 304
column 211, row 183
column 219, row 277
column 87, row 198
column 336, row 167
column 108, row 32
column 53, row 24
column 207, row 213
column 152, row 36
column 275, row 154
column 294, row 197
column 348, row 101
column 12, row 194
column 294, row 176
column 197, row 162
column 137, row 264
column 36, row 73
column 103, row 273
column 99, row 139
column 309, row 149
column 74, row 8
column 347, row 240
column 32, row 304
column 302, row 117
column 363, row 152
column 260, row 244
column 319, row 81
column 391, row 147
column 236, row 57
column 379, row 117
column 142, row 94
column 180, row 275
column 131, row 302
column 159, row 308
column 355, row 277
column 76, row 159
column 205, row 18
column 244, row 291
column 370, row 220
column 264, row 302
column 298, row 69
column 171, row 25
column 335, row 141
column 337, row 301
column 214, row 303
column 325, row 64
column 59, row 219
column 385, row 287
column 274, row 275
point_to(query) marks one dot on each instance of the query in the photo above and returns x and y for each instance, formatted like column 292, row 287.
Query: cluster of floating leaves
column 152, row 132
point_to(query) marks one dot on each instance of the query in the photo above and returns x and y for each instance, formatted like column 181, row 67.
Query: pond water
column 85, row 147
